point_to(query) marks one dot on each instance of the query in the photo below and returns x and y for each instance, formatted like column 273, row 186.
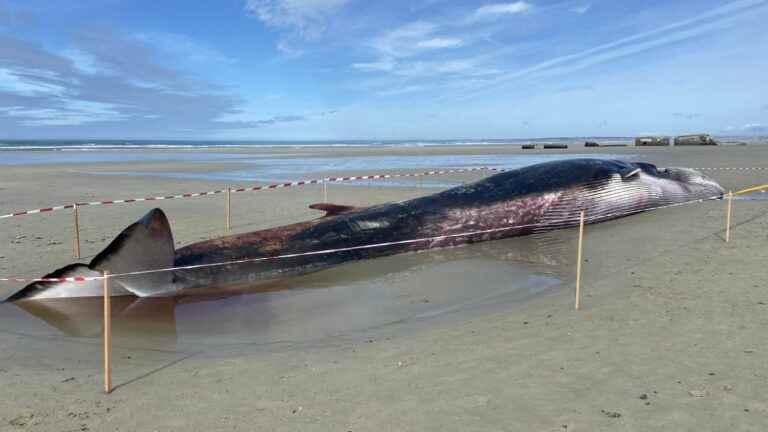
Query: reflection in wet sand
column 346, row 300
column 151, row 322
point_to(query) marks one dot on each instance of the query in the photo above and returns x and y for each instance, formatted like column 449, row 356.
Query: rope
column 761, row 188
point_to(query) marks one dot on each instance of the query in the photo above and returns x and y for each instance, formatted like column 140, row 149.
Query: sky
column 381, row 70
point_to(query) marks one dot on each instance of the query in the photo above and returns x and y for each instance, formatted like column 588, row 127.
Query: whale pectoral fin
column 145, row 245
column 647, row 168
column 629, row 172
column 65, row 289
column 332, row 209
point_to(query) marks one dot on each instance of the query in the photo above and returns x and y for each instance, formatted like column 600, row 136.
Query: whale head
column 693, row 183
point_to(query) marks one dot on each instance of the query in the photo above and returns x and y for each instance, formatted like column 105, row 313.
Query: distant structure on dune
column 695, row 139
column 605, row 144
column 651, row 141
column 701, row 139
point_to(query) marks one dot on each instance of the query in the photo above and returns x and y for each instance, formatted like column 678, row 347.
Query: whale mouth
column 692, row 178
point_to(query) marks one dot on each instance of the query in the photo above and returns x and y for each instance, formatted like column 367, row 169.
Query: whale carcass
column 532, row 199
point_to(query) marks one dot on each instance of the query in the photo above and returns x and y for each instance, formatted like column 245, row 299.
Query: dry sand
column 672, row 335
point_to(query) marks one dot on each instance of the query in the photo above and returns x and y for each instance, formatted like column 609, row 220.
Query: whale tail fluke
column 145, row 245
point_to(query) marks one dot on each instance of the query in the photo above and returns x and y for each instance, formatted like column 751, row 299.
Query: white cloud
column 747, row 129
column 427, row 69
column 406, row 77
column 402, row 90
column 85, row 62
column 184, row 47
column 71, row 113
column 581, row 9
column 706, row 23
column 402, row 41
column 439, row 43
column 253, row 116
column 162, row 88
column 499, row 9
column 611, row 52
column 399, row 51
column 307, row 17
column 464, row 67
column 29, row 82
column 412, row 30
column 755, row 128
column 288, row 49
column 407, row 40
column 383, row 65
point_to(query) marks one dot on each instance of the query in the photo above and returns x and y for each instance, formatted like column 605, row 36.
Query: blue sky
column 360, row 69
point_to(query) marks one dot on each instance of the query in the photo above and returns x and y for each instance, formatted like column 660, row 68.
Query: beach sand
column 671, row 336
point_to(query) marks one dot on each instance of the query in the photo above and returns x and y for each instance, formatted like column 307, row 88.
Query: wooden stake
column 229, row 208
column 76, row 244
column 728, row 217
column 578, row 261
column 325, row 191
column 107, row 336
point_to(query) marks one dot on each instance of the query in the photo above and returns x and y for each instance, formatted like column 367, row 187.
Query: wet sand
column 671, row 336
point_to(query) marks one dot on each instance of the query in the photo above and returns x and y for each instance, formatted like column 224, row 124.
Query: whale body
column 532, row 199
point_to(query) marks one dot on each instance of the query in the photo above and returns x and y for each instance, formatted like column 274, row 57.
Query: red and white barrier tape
column 336, row 250
column 63, row 279
column 250, row 189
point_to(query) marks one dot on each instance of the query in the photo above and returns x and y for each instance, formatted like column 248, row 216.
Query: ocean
column 86, row 145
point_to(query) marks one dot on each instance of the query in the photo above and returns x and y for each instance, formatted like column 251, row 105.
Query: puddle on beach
column 353, row 300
